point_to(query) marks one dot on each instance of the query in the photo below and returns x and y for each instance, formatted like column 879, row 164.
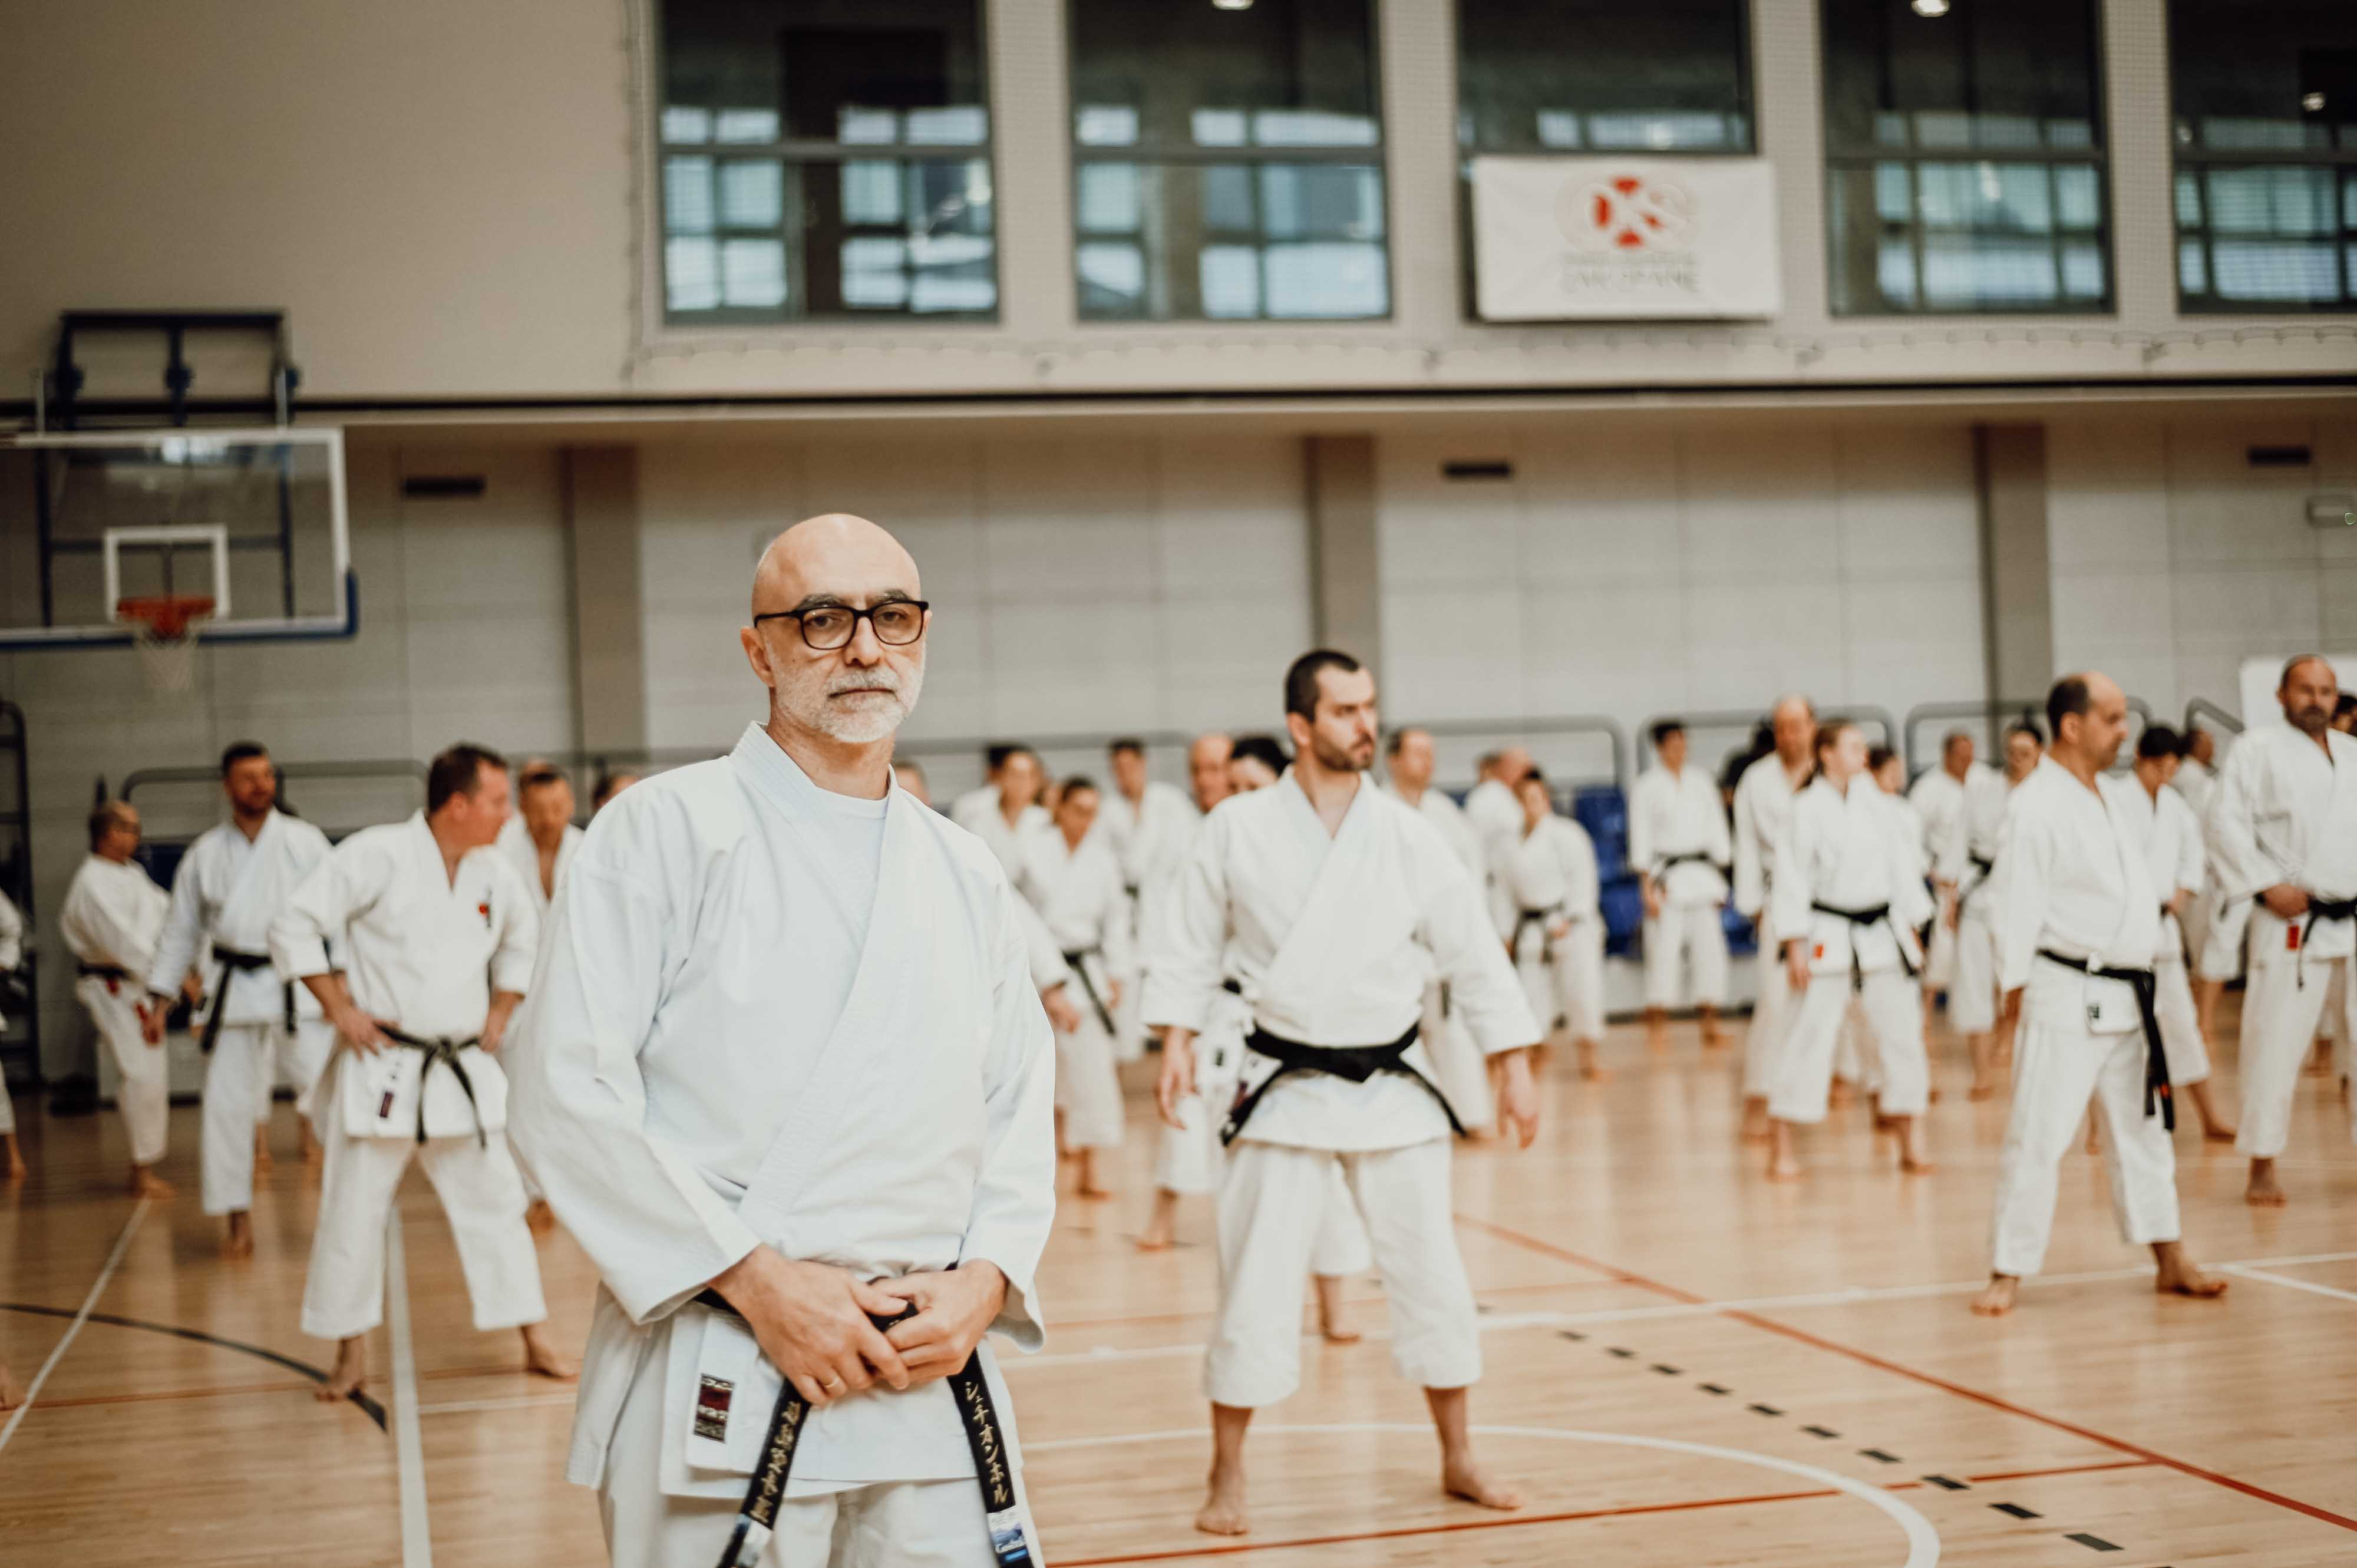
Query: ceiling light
column 1233, row 5
column 2313, row 102
column 1931, row 7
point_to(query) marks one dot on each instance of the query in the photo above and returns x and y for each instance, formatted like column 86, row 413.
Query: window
column 2265, row 101
column 1227, row 161
column 1965, row 156
column 1603, row 76
column 825, row 158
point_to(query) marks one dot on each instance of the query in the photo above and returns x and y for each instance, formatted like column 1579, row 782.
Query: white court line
column 2245, row 1270
column 89, row 1305
column 408, row 1440
column 518, row 1401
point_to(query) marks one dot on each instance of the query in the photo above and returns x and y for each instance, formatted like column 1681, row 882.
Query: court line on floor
column 57, row 1351
column 369, row 1407
column 408, row 1437
column 2253, row 1272
column 1352, row 1301
column 2118, row 1444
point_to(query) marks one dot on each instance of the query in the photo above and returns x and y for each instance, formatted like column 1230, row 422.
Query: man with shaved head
column 1763, row 813
column 2077, row 921
column 2282, row 834
column 786, row 1077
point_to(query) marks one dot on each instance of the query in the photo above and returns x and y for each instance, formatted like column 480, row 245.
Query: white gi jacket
column 1450, row 817
column 2285, row 812
column 226, row 894
column 1937, row 797
column 113, row 915
column 1850, row 850
column 1330, row 937
column 420, row 950
column 1673, row 814
column 727, row 1045
column 1494, row 812
column 515, row 842
column 2071, row 876
column 1980, row 817
column 1763, row 805
column 977, row 812
column 2173, row 859
column 1081, row 899
column 12, row 936
column 1549, row 871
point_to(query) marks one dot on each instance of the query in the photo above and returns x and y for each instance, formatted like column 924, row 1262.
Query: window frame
column 1375, row 155
column 1841, row 160
column 791, row 153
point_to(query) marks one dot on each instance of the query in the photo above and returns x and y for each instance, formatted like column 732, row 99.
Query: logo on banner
column 1630, row 234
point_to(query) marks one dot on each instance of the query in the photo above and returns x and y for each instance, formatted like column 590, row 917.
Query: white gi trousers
column 1891, row 1008
column 8, row 1112
column 1193, row 1161
column 2181, row 1025
column 1563, row 980
column 239, row 1078
column 1771, row 1015
column 1940, row 959
column 2280, row 1016
column 482, row 1195
column 2058, row 1065
column 1686, row 933
column 1272, row 1210
column 1462, row 1072
column 2219, row 957
column 143, row 1093
column 1971, row 1001
column 1088, row 1083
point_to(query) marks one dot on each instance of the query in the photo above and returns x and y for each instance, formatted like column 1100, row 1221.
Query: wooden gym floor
column 1687, row 1366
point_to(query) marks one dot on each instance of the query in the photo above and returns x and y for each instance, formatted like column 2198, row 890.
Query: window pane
column 1622, row 75
column 1982, row 236
column 1276, row 241
column 1275, row 73
column 826, row 69
column 1987, row 73
column 2277, row 237
column 2278, row 77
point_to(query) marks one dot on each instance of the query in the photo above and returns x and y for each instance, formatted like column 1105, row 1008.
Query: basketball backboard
column 93, row 521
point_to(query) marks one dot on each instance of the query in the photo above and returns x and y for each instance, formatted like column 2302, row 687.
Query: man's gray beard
column 2312, row 721
column 871, row 719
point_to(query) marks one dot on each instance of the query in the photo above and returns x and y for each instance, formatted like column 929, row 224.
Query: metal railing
column 363, row 771
column 2199, row 708
column 1994, row 712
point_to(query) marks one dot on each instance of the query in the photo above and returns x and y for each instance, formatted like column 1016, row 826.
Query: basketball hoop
column 164, row 629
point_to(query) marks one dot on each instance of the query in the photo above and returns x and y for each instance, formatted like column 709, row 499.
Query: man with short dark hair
column 111, row 919
column 1073, row 878
column 1548, row 899
column 436, row 934
column 1679, row 845
column 1331, row 902
column 1001, row 812
column 540, row 838
column 231, row 886
column 1148, row 824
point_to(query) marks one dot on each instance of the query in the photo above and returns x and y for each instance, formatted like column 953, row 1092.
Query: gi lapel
column 1353, row 904
column 231, row 926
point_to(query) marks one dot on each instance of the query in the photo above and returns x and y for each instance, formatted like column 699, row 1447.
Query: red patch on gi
column 2291, row 938
column 484, row 909
column 1820, row 952
column 712, row 1401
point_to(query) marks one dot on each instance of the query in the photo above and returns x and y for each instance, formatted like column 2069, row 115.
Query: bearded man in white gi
column 1849, row 896
column 2283, row 836
column 1150, row 825
column 1964, row 866
column 1320, row 891
column 1678, row 842
column 2077, row 921
column 784, row 1073
column 1073, row 878
column 111, row 919
column 540, row 838
column 1548, row 904
column 1410, row 762
column 1763, row 809
column 435, row 934
column 231, row 886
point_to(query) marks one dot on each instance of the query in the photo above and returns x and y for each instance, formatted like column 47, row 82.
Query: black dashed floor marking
column 1820, row 1431
column 1766, row 1410
column 1624, row 1355
column 2094, row 1542
column 1715, row 1388
column 2017, row 1511
column 1877, row 1454
column 1666, row 1371
column 1948, row 1483
column 1571, row 1333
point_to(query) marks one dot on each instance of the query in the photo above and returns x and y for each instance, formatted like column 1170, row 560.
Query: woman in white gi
column 1763, row 806
column 1326, row 894
column 1964, row 866
column 2283, row 835
column 12, row 953
column 1679, row 845
column 785, row 1055
column 1001, row 814
column 1849, row 896
column 231, row 886
column 2077, row 922
column 1548, row 905
column 111, row 917
column 1074, row 881
column 434, row 936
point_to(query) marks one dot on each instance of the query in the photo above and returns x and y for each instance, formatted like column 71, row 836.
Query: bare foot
column 1980, row 1091
column 1784, row 1168
column 2181, row 1278
column 262, row 1161
column 1095, row 1193
column 145, row 1183
column 314, row 1153
column 1916, row 1165
column 16, row 1171
column 1330, row 1324
column 1590, row 1069
column 1998, row 1299
column 1842, row 1093
column 1657, row 1039
column 1152, row 1244
column 2264, row 1191
column 1914, row 1157
column 1934, row 1094
column 1755, row 1120
column 2216, row 1133
column 540, row 1219
column 542, row 1358
column 1224, row 1511
column 351, row 1373
column 1465, row 1479
column 2094, row 1138
column 239, row 1240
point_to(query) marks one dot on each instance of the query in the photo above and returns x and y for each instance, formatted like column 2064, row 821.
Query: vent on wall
column 442, row 486
column 2279, row 456
column 1496, row 468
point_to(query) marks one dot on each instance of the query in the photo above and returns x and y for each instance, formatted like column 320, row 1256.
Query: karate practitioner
column 436, row 935
column 12, row 954
column 111, row 917
column 1937, row 797
column 1255, row 762
column 2077, row 921
column 2283, row 836
column 2214, row 935
column 1849, row 896
column 1763, row 807
column 1073, row 878
column 783, row 1073
column 1320, row 891
column 1549, row 904
column 1001, row 815
column 231, row 886
column 1964, row 865
column 1678, row 841
column 1492, row 809
column 541, row 839
column 1049, row 974
column 1150, row 825
column 1464, row 1079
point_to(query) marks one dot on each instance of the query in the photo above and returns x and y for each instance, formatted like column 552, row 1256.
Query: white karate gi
column 2071, row 877
column 1080, row 896
column 1964, row 864
column 1673, row 816
column 422, row 951
column 1494, row 812
column 1763, row 809
column 1937, row 796
column 1854, row 851
column 12, row 953
column 977, row 811
column 2173, row 859
column 2285, row 811
column 1325, row 933
column 775, row 1015
column 1150, row 838
column 226, row 892
column 516, row 842
column 1464, row 1071
column 1547, row 879
column 110, row 918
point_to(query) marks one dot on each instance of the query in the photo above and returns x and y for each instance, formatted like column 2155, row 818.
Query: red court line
column 2118, row 1444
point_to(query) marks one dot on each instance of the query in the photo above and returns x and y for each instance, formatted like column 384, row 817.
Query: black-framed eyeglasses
column 897, row 623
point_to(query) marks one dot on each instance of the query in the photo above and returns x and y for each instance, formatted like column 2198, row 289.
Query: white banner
column 1580, row 239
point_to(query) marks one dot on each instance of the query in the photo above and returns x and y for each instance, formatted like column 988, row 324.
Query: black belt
column 112, row 973
column 233, row 961
column 759, row 1518
column 1524, row 919
column 1077, row 961
column 1232, row 987
column 1357, row 1063
column 2321, row 909
column 2155, row 1061
column 1877, row 916
column 442, row 1053
column 1663, row 865
column 1984, row 866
